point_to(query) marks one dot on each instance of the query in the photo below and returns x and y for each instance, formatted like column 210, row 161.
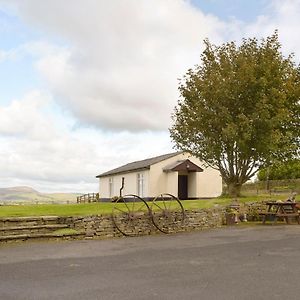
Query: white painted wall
column 209, row 183
column 200, row 185
column 193, row 184
column 172, row 183
column 130, row 184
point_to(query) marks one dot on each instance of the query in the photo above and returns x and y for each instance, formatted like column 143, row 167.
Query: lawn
column 55, row 210
column 106, row 208
column 224, row 201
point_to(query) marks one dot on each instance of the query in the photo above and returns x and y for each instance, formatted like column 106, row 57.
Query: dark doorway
column 182, row 187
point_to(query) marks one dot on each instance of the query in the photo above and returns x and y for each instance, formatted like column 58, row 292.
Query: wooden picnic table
column 276, row 209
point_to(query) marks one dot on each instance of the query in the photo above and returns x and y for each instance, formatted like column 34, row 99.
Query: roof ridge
column 139, row 164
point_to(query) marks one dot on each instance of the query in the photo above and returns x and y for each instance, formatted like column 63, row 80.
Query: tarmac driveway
column 230, row 263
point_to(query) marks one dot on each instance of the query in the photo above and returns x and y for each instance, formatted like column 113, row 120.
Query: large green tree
column 239, row 108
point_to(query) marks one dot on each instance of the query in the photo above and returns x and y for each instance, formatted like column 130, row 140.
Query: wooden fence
column 88, row 198
column 287, row 186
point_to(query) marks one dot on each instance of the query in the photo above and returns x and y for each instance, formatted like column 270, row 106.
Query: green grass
column 55, row 210
column 89, row 208
column 106, row 208
column 65, row 231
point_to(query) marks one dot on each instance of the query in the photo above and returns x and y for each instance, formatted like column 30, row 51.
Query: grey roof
column 139, row 165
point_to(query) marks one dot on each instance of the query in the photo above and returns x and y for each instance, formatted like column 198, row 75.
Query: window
column 111, row 187
column 140, row 184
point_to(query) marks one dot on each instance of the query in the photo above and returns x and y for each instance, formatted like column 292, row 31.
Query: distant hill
column 25, row 194
column 17, row 190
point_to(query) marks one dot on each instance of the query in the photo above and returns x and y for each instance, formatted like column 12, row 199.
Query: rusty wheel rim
column 128, row 213
column 167, row 213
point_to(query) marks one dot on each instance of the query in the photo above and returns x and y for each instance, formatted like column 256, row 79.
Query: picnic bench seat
column 286, row 210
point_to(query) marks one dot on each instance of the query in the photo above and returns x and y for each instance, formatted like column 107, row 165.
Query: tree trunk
column 234, row 189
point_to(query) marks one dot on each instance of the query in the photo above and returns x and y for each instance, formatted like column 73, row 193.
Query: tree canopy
column 239, row 108
column 286, row 170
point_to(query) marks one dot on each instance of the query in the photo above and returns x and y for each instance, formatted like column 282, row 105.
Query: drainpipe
column 122, row 187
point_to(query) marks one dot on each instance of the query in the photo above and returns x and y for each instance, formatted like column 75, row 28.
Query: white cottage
column 178, row 173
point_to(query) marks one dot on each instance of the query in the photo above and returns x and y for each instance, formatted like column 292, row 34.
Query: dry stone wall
column 101, row 226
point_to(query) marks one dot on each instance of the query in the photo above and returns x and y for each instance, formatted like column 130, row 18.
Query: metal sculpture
column 131, row 211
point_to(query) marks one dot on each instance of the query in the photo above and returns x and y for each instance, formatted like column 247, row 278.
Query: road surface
column 261, row 262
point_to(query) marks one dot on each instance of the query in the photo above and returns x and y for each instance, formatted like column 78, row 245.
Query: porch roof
column 182, row 165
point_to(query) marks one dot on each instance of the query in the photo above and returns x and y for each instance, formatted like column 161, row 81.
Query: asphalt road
column 228, row 263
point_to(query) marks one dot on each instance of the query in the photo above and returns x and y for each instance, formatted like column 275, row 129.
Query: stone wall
column 103, row 226
column 98, row 226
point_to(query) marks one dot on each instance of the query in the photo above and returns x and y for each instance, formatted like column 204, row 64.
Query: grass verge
column 55, row 210
column 65, row 231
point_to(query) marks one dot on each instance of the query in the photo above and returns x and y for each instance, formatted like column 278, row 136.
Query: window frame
column 141, row 185
column 111, row 187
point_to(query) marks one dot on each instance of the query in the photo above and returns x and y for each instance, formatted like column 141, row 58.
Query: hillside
column 17, row 190
column 24, row 194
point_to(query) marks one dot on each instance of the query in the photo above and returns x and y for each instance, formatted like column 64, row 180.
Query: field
column 28, row 195
column 106, row 208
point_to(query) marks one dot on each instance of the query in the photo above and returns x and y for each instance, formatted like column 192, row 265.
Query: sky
column 89, row 85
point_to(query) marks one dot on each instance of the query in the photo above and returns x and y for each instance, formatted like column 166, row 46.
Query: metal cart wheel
column 128, row 213
column 167, row 213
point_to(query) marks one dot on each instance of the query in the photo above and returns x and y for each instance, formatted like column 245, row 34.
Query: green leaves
column 239, row 108
column 279, row 171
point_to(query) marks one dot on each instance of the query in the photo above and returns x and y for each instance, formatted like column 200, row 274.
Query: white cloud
column 22, row 118
column 124, row 57
column 3, row 55
column 120, row 60
column 7, row 55
column 38, row 149
column 281, row 15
